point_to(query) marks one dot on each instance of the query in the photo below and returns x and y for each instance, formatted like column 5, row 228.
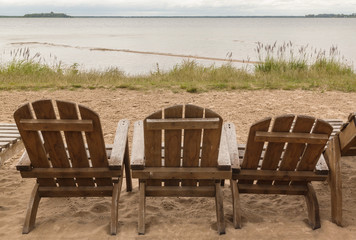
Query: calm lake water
column 75, row 40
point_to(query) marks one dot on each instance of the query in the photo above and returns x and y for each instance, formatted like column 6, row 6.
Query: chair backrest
column 292, row 143
column 191, row 136
column 53, row 138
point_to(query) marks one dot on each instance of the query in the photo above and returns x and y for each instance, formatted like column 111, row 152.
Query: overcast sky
column 178, row 7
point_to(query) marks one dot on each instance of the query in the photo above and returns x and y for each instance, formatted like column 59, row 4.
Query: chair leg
column 127, row 169
column 334, row 180
column 235, row 204
column 115, row 206
column 313, row 207
column 141, row 209
column 32, row 210
column 219, row 208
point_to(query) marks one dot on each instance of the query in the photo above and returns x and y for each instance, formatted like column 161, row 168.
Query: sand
column 263, row 216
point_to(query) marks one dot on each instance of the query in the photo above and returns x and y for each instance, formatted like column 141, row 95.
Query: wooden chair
column 69, row 165
column 181, row 151
column 10, row 141
column 282, row 160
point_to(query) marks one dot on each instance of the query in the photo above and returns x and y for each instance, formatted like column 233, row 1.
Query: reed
column 282, row 67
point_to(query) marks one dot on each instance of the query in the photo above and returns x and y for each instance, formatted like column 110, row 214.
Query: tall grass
column 282, row 66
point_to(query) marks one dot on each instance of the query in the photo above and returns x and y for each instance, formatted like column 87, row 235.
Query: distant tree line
column 353, row 15
column 47, row 15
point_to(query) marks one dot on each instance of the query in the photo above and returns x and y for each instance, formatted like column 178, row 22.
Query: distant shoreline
column 308, row 16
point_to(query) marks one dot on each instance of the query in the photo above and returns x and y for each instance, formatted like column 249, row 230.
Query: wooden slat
column 96, row 144
column 10, row 135
column 70, row 173
column 291, row 137
column 10, row 140
column 33, row 144
column 211, row 143
column 75, row 142
column 9, row 128
column 118, row 152
column 192, row 142
column 53, row 139
column 153, row 141
column 348, row 137
column 4, row 144
column 181, row 173
column 7, row 131
column 270, row 175
column 172, row 141
column 138, row 147
column 176, row 191
column 273, row 189
column 224, row 162
column 293, row 152
column 232, row 144
column 274, row 149
column 57, row 125
column 179, row 123
column 313, row 151
column 76, row 191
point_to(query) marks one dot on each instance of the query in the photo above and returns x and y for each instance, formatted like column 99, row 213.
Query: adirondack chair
column 70, row 166
column 282, row 160
column 10, row 141
column 189, row 161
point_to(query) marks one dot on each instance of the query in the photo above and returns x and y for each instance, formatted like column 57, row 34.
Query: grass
column 280, row 67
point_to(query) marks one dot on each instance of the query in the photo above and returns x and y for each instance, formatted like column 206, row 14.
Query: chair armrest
column 233, row 146
column 224, row 161
column 24, row 164
column 138, row 147
column 118, row 150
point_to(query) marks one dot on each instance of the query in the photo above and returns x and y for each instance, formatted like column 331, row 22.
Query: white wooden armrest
column 232, row 145
column 224, row 161
column 24, row 163
column 118, row 151
column 138, row 147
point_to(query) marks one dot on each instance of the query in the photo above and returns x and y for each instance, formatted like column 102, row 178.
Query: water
column 72, row 40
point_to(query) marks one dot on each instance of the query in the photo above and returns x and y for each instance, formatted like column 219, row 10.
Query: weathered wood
column 181, row 173
column 281, row 126
column 33, row 144
column 274, row 137
column 53, row 139
column 96, row 144
column 70, row 173
column 232, row 145
column 236, row 208
column 127, row 168
column 116, row 159
column 333, row 157
column 192, row 142
column 210, row 147
column 294, row 151
column 84, row 191
column 142, row 208
column 31, row 212
column 313, row 207
column 273, row 189
column 75, row 142
column 172, row 141
column 224, row 162
column 270, row 175
column 179, row 123
column 57, row 125
column 115, row 206
column 348, row 137
column 153, row 141
column 4, row 144
column 10, row 135
column 177, row 191
column 219, row 208
column 9, row 131
column 138, row 147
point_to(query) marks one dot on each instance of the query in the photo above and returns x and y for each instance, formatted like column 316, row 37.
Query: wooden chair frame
column 73, row 169
column 290, row 162
column 181, row 170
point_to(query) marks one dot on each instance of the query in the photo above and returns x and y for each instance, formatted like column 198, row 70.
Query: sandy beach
column 263, row 216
